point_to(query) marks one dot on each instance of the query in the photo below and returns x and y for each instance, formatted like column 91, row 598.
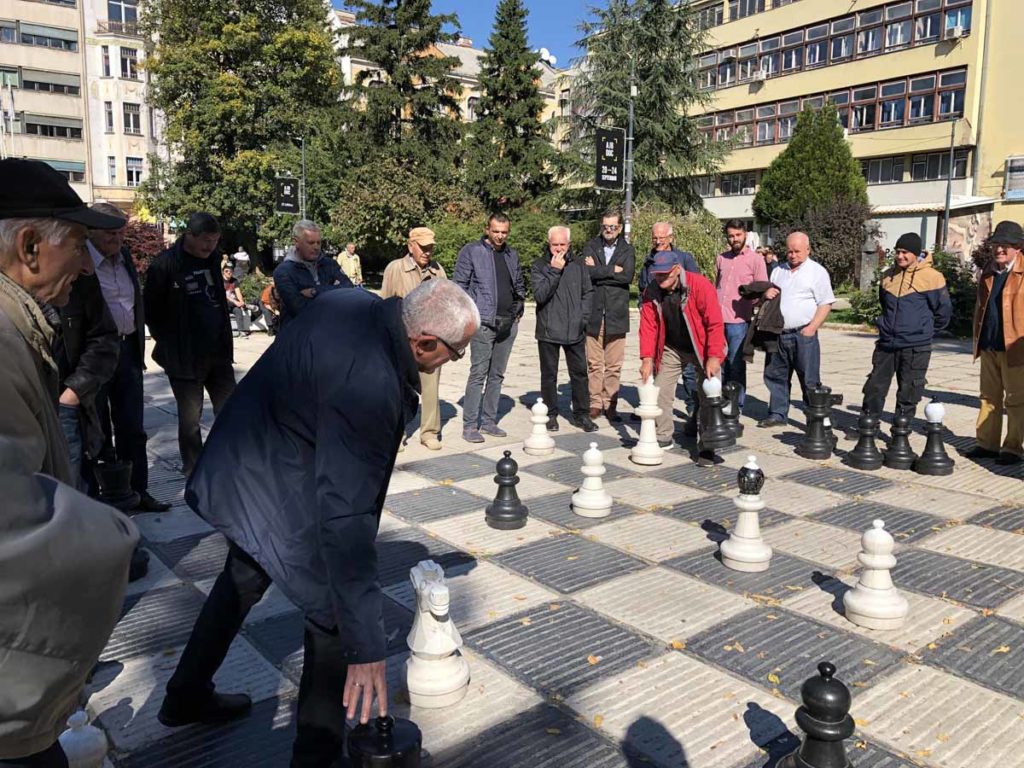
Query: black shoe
column 221, row 708
column 771, row 421
column 552, row 424
column 1007, row 459
column 706, row 459
column 583, row 422
column 977, row 452
column 138, row 567
column 148, row 504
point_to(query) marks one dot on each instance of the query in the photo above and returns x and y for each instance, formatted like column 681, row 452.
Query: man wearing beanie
column 915, row 304
column 998, row 341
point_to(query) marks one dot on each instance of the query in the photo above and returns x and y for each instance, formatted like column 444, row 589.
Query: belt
column 126, row 336
column 795, row 330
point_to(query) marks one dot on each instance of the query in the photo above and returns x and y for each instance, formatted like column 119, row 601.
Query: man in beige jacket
column 400, row 277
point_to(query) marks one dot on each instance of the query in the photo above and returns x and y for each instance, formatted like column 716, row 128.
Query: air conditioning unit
column 956, row 33
column 748, row 190
column 760, row 76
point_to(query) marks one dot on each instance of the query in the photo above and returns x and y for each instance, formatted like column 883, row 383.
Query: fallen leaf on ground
column 1001, row 649
column 526, row 621
column 598, row 719
column 871, row 663
column 553, row 731
column 592, row 659
column 518, row 597
column 861, row 723
column 678, row 645
column 554, row 606
column 773, row 678
column 573, row 557
column 943, row 737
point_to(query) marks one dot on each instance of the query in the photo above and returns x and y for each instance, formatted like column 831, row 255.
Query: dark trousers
column 218, row 379
column 119, row 405
column 576, row 361
column 488, row 356
column 52, row 757
column 910, row 367
column 320, row 719
column 798, row 353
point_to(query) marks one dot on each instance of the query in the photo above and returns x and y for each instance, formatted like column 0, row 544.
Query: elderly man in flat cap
column 401, row 276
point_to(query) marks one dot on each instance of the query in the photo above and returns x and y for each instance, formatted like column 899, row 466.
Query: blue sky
column 552, row 23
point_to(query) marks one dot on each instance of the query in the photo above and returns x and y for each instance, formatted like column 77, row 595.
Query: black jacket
column 611, row 288
column 563, row 299
column 86, row 352
column 767, row 323
column 292, row 277
column 167, row 314
column 298, row 462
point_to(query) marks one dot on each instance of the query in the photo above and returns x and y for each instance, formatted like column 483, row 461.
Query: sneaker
column 977, row 452
column 493, row 430
column 706, row 459
column 1007, row 459
column 431, row 443
column 552, row 424
column 666, row 445
column 148, row 504
column 220, row 708
column 472, row 435
column 771, row 421
column 583, row 422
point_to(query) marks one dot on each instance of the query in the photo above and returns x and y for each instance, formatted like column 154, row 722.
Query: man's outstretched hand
column 365, row 681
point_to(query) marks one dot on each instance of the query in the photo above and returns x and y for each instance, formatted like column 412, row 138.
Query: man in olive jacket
column 562, row 290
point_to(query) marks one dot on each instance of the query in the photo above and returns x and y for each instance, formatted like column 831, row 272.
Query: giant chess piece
column 865, row 455
column 715, row 433
column 731, row 409
column 506, row 512
column 874, row 603
column 387, row 742
column 85, row 745
column 436, row 674
column 899, row 454
column 818, row 440
column 539, row 443
column 114, row 479
column 745, row 550
column 647, row 451
column 825, row 720
column 592, row 500
column 934, row 460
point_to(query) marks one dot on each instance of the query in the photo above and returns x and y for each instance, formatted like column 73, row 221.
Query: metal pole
column 302, row 183
column 949, row 183
column 628, row 214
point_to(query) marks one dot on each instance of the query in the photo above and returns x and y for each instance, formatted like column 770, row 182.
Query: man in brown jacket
column 999, row 342
column 400, row 277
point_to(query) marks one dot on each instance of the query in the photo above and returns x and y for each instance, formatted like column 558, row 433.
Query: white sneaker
column 667, row 446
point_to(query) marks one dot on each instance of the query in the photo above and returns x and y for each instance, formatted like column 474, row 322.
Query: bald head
column 798, row 248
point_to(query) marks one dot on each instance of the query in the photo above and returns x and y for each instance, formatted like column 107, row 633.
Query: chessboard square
column 195, row 558
column 771, row 641
column 279, row 640
column 559, row 648
column 481, row 592
column 834, row 548
column 1013, row 609
column 557, row 509
column 982, row 586
column 988, row 650
column 845, row 481
column 398, row 551
column 928, row 618
column 773, row 464
column 864, row 755
column 470, row 532
column 529, row 487
column 153, row 622
column 389, row 523
column 170, row 490
column 905, row 525
column 523, row 459
column 785, row 577
column 157, row 576
column 719, row 512
column 453, row 467
column 925, row 497
column 569, row 471
column 620, row 458
column 798, row 499
column 433, row 503
column 129, row 694
column 569, row 563
column 663, row 604
column 949, row 721
column 724, row 722
column 402, row 481
column 651, row 536
column 650, row 493
column 1003, row 518
column 717, row 479
column 170, row 525
column 577, row 442
column 985, row 545
column 273, row 603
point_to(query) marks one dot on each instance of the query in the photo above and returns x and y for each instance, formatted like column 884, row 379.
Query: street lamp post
column 628, row 214
column 949, row 183
column 302, row 181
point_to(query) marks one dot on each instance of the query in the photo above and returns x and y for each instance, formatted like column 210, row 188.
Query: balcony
column 126, row 28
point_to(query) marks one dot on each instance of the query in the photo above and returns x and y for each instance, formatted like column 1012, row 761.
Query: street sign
column 287, row 195
column 611, row 159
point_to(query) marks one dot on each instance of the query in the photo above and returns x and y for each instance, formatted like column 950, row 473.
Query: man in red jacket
column 680, row 324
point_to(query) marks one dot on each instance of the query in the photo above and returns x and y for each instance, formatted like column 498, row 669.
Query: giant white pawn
column 539, row 442
column 647, row 451
column 592, row 500
column 84, row 745
column 875, row 603
column 437, row 675
column 745, row 550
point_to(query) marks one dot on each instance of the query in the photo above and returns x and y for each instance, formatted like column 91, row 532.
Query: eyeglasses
column 453, row 353
column 610, row 227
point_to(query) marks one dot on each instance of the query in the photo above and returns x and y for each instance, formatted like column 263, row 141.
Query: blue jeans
column 796, row 353
column 72, row 428
column 734, row 367
column 488, row 359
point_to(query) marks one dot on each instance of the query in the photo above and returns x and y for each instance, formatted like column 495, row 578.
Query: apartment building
column 910, row 78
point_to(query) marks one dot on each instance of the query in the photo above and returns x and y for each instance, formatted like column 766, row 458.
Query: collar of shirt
column 1007, row 268
column 97, row 257
column 410, row 265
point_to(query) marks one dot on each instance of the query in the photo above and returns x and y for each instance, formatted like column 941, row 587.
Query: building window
column 8, row 32
column 707, row 79
column 9, row 77
column 105, row 60
column 958, row 17
column 786, row 127
column 927, row 28
column 817, row 54
column 883, row 170
column 123, row 16
column 704, row 185
column 48, row 37
column 727, row 74
column 935, row 166
column 766, row 132
column 746, row 69
column 842, row 47
column 738, row 183
column 133, row 169
column 898, row 35
column 863, row 117
column 710, row 16
column 112, row 170
column 108, row 116
column 792, row 59
column 51, row 82
column 52, row 127
column 1014, row 186
column 132, row 119
column 129, row 63
column 869, row 41
column 739, row 9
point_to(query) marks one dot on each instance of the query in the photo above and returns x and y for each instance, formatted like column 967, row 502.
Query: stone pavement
column 624, row 642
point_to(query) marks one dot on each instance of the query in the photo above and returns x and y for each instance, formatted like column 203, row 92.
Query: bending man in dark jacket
column 294, row 475
column 611, row 262
column 305, row 272
column 915, row 304
column 561, row 287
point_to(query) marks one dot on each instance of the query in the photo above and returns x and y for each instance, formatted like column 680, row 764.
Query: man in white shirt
column 806, row 300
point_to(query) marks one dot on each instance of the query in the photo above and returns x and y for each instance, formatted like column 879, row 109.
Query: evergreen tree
column 662, row 41
column 507, row 162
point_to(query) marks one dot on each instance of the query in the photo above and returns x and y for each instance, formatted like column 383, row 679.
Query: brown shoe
column 595, row 412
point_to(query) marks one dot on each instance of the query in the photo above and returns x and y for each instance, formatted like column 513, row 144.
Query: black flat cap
column 31, row 189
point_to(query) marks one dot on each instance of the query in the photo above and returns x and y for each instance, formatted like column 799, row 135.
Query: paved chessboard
column 624, row 641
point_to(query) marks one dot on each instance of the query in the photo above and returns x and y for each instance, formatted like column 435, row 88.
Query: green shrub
column 864, row 305
column 252, row 286
column 700, row 233
column 963, row 291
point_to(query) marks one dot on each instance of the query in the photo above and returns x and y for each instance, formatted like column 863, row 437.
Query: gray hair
column 666, row 224
column 439, row 308
column 110, row 209
column 560, row 228
column 302, row 226
column 54, row 231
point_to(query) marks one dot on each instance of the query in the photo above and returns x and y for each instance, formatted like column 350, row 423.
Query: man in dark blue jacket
column 915, row 305
column 305, row 272
column 488, row 270
column 294, row 474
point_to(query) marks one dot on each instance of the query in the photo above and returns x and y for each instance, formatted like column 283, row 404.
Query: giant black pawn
column 825, row 720
column 865, row 455
column 900, row 455
column 715, row 432
column 817, row 443
column 506, row 512
column 731, row 409
column 934, row 460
